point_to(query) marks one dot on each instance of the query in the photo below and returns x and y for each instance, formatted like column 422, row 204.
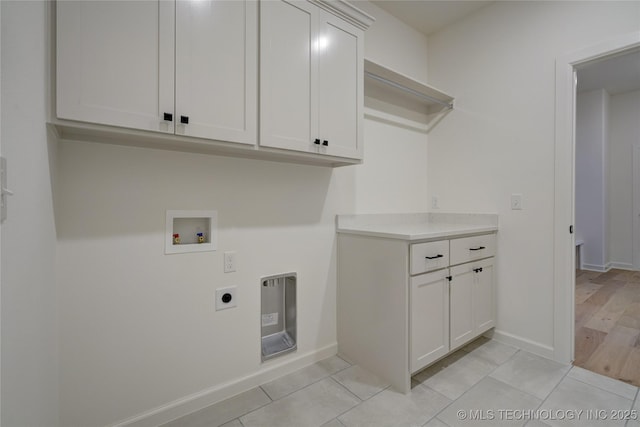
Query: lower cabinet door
column 429, row 318
column 461, row 294
column 484, row 317
column 472, row 301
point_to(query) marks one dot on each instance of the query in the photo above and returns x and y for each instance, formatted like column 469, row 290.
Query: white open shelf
column 395, row 98
column 426, row 94
column 187, row 224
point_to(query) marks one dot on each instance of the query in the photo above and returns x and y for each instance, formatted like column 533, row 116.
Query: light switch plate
column 516, row 202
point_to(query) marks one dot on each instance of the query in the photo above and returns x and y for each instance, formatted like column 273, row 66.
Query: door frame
column 636, row 207
column 564, row 186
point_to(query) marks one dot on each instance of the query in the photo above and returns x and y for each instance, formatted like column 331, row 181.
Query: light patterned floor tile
column 360, row 382
column 493, row 351
column 620, row 388
column 392, row 409
column 574, row 395
column 312, row 406
column 333, row 423
column 532, row 374
column 283, row 386
column 458, row 377
column 225, row 411
column 486, row 404
column 435, row 422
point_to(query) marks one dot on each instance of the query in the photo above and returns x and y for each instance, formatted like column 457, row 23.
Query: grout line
column 554, row 389
column 253, row 410
column 353, row 407
column 347, row 389
column 265, row 392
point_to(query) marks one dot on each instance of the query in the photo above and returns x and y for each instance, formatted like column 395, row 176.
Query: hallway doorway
column 607, row 171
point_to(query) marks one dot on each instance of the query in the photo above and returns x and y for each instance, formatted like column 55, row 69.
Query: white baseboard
column 594, row 267
column 522, row 343
column 188, row 404
column 622, row 265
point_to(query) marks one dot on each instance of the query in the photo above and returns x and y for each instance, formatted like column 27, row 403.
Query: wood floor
column 608, row 323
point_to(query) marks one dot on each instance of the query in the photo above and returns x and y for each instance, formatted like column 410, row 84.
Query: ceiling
column 429, row 16
column 615, row 75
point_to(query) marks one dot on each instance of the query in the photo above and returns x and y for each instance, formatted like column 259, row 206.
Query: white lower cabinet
column 402, row 305
column 448, row 308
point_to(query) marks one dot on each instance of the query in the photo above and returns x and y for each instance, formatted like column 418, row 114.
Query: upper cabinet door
column 217, row 69
column 340, row 86
column 288, row 82
column 115, row 63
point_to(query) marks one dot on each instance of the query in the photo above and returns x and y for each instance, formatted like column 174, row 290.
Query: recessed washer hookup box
column 278, row 315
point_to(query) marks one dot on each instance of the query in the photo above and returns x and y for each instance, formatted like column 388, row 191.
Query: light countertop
column 417, row 226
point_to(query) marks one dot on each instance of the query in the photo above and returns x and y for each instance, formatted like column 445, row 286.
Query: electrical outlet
column 226, row 298
column 229, row 262
column 434, row 202
column 516, row 202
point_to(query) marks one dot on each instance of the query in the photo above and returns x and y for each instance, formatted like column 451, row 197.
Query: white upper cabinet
column 340, row 87
column 116, row 62
column 190, row 69
column 288, row 75
column 311, row 80
column 216, row 70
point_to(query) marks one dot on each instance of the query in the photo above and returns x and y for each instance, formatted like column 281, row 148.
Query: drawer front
column 472, row 248
column 429, row 256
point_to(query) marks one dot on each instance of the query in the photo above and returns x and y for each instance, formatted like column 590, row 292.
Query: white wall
column 391, row 43
column 499, row 140
column 592, row 170
column 29, row 338
column 137, row 328
column 624, row 135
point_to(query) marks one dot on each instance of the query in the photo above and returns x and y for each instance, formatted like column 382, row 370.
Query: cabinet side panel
column 372, row 306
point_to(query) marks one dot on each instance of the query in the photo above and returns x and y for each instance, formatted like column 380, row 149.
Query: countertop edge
column 420, row 236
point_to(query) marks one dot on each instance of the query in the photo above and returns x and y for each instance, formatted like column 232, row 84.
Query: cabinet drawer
column 429, row 256
column 472, row 248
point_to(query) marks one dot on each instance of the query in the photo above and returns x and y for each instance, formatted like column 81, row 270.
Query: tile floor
column 485, row 383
